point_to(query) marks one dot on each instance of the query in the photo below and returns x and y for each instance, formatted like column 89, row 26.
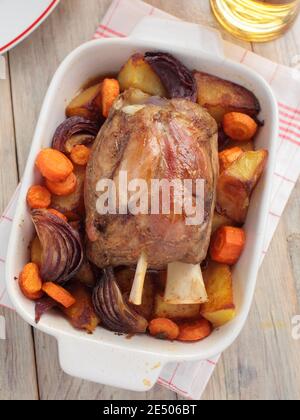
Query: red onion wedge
column 62, row 253
column 73, row 131
column 43, row 306
column 112, row 309
column 178, row 80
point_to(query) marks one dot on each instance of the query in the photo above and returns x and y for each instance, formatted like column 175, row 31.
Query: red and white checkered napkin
column 190, row 379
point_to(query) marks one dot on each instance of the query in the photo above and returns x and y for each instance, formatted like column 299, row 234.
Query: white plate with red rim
column 19, row 18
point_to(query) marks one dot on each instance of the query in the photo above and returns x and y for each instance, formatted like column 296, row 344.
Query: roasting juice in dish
column 103, row 254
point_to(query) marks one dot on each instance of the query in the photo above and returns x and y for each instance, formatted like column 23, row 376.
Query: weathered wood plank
column 262, row 364
column 17, row 363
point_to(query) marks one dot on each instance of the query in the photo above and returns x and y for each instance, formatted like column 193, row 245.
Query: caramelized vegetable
column 164, row 329
column 38, row 197
column 227, row 245
column 178, row 80
column 58, row 214
column 110, row 92
column 54, row 165
column 30, row 282
column 220, row 96
column 87, row 104
column 80, row 155
column 59, row 294
column 85, row 274
column 62, row 253
column 36, row 252
column 124, row 278
column 163, row 309
column 246, row 146
column 112, row 309
column 228, row 156
column 64, row 188
column 72, row 205
column 237, row 182
column 138, row 74
column 239, row 126
column 220, row 307
column 194, row 330
column 82, row 314
column 74, row 131
column 42, row 306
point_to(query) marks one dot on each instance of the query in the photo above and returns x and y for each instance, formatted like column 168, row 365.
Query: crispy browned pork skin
column 163, row 139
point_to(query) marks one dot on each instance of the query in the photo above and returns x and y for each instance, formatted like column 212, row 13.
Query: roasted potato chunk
column 73, row 203
column 82, row 314
column 87, row 104
column 220, row 96
column 137, row 73
column 167, row 310
column 220, row 308
column 85, row 275
column 237, row 182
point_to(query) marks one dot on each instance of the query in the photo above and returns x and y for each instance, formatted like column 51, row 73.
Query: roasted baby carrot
column 163, row 328
column 54, row 165
column 59, row 294
column 80, row 155
column 239, row 126
column 110, row 92
column 228, row 156
column 30, row 282
column 227, row 245
column 64, row 188
column 194, row 330
column 38, row 197
column 58, row 214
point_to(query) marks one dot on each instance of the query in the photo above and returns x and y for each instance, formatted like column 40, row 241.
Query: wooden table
column 264, row 361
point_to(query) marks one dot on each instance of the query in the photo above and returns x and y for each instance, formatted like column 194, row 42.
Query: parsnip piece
column 138, row 282
column 185, row 284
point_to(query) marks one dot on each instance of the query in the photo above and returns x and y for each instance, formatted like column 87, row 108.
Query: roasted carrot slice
column 239, row 126
column 59, row 294
column 227, row 245
column 110, row 92
column 30, row 282
column 194, row 330
column 163, row 328
column 228, row 156
column 63, row 188
column 58, row 214
column 38, row 197
column 80, row 155
column 54, row 165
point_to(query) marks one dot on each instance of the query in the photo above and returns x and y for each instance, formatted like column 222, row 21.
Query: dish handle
column 189, row 36
column 96, row 362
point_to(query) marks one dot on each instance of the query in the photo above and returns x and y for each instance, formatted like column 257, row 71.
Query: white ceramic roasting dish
column 105, row 357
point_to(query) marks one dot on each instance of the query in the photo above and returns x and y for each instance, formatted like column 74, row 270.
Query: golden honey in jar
column 253, row 20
